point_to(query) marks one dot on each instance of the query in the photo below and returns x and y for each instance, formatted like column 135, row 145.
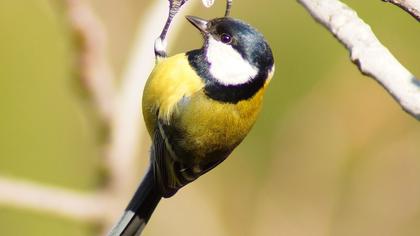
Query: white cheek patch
column 227, row 65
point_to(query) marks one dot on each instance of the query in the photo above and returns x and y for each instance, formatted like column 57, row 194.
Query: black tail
column 140, row 208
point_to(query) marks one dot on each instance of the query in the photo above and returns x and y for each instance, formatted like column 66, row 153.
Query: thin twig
column 367, row 52
column 76, row 205
column 161, row 42
column 96, row 73
column 98, row 78
column 228, row 7
column 410, row 6
column 95, row 69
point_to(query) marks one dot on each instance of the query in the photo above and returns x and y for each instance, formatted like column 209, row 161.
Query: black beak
column 199, row 23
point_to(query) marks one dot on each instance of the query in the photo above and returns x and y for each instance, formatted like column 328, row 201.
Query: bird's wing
column 165, row 162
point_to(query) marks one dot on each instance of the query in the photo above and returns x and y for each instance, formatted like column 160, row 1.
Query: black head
column 234, row 55
column 244, row 38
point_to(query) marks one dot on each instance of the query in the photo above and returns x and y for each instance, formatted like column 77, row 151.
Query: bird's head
column 236, row 52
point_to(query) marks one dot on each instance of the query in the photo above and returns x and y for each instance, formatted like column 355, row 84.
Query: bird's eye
column 226, row 38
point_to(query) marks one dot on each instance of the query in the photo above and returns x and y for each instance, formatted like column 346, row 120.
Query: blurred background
column 331, row 154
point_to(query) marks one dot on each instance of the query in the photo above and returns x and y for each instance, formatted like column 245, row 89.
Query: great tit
column 198, row 106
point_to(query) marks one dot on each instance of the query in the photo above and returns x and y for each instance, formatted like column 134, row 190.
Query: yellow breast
column 211, row 126
column 171, row 80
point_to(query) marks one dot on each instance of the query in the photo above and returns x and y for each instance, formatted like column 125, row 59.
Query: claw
column 174, row 6
column 160, row 43
column 208, row 3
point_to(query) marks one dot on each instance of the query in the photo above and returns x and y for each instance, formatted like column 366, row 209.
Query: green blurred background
column 331, row 154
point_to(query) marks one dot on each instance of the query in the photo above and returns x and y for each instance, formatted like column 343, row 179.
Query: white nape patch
column 227, row 66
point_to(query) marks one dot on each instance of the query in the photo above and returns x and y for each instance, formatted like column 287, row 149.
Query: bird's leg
column 228, row 7
column 160, row 43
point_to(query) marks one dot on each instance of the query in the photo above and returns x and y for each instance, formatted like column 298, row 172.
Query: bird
column 198, row 106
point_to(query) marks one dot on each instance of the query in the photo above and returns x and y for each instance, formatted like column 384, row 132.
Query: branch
column 96, row 71
column 372, row 58
column 99, row 81
column 80, row 206
column 410, row 6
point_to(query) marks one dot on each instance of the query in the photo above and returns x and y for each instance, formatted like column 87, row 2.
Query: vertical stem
column 160, row 43
column 228, row 7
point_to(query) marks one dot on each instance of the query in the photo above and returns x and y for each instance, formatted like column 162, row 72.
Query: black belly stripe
column 218, row 91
